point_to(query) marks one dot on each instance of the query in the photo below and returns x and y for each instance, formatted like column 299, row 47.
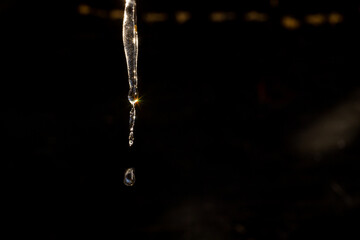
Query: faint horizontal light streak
column 116, row 14
column 182, row 17
column 335, row 18
column 84, row 9
column 315, row 19
column 290, row 22
column 222, row 16
column 255, row 16
column 155, row 17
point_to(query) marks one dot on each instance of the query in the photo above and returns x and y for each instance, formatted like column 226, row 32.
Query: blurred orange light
column 290, row 23
column 182, row 17
column 155, row 17
column 315, row 19
column 222, row 16
column 255, row 16
column 335, row 18
column 116, row 14
column 84, row 9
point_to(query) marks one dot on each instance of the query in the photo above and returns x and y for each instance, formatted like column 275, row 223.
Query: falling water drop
column 129, row 177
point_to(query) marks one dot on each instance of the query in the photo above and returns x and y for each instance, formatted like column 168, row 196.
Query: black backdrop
column 217, row 151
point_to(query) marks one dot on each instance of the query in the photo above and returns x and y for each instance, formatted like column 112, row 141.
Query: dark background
column 246, row 129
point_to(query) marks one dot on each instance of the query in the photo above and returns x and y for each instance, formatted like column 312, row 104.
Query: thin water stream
column 130, row 39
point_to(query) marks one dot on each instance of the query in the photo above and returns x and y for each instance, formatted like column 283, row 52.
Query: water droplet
column 129, row 177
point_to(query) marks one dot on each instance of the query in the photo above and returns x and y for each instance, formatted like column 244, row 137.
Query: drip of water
column 130, row 38
column 129, row 177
